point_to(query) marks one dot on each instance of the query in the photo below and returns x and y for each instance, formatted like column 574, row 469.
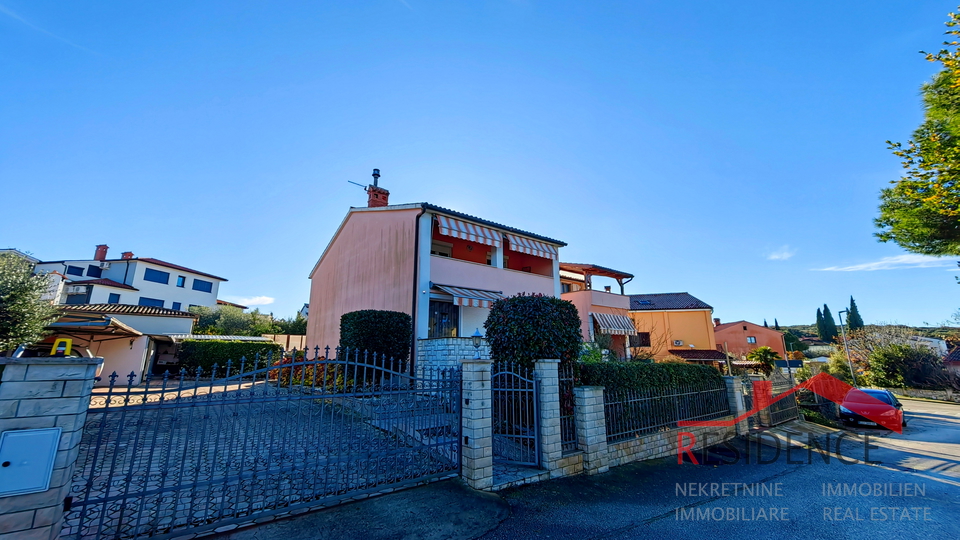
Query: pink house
column 443, row 267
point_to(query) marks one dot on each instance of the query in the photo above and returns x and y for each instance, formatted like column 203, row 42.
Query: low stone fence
column 448, row 352
column 594, row 453
column 941, row 395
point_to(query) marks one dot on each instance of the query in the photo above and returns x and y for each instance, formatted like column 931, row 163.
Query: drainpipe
column 416, row 287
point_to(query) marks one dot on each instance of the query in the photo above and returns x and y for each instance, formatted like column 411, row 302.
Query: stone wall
column 942, row 395
column 448, row 352
column 664, row 443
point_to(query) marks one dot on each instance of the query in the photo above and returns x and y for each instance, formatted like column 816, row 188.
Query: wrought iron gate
column 257, row 439
column 783, row 409
column 516, row 415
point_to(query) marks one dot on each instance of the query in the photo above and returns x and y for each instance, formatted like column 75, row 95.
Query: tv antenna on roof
column 376, row 177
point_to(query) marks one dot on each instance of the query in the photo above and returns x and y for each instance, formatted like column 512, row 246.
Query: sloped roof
column 740, row 323
column 953, row 357
column 698, row 354
column 482, row 221
column 662, row 301
column 105, row 282
column 125, row 309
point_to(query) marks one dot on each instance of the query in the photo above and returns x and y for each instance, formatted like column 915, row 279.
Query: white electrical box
column 26, row 460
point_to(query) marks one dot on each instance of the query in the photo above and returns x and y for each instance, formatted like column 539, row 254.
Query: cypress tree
column 776, row 325
column 820, row 324
column 829, row 326
column 854, row 320
column 765, row 324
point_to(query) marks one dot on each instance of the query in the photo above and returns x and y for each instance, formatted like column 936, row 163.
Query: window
column 156, row 276
column 114, row 298
column 75, row 270
column 751, row 339
column 642, row 339
column 441, row 249
column 94, row 271
column 565, row 287
column 181, row 281
column 444, row 319
column 176, row 306
column 202, row 286
column 191, row 306
column 152, row 302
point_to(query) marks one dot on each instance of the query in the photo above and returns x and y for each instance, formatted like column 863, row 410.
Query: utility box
column 26, row 460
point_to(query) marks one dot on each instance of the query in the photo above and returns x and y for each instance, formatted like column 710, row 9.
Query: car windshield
column 864, row 396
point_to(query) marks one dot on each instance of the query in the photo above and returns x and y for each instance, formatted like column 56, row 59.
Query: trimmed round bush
column 527, row 328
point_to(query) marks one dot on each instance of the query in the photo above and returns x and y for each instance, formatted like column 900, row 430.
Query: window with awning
column 532, row 247
column 618, row 325
column 463, row 296
column 468, row 231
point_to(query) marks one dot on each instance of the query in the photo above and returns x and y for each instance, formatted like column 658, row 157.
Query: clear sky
column 734, row 150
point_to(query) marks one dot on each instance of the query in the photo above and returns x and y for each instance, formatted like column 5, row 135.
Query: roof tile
column 661, row 301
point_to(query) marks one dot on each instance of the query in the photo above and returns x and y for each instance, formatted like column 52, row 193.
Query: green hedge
column 616, row 376
column 527, row 328
column 383, row 332
column 204, row 354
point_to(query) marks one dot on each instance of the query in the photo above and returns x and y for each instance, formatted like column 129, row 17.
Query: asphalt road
column 913, row 492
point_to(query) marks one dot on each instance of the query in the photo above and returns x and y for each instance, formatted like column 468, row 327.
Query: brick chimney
column 126, row 255
column 716, row 322
column 101, row 253
column 376, row 195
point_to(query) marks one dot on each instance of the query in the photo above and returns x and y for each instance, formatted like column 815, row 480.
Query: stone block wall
column 665, row 443
column 44, row 393
column 448, row 352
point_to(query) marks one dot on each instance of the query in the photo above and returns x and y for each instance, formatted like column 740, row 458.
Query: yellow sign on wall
column 61, row 347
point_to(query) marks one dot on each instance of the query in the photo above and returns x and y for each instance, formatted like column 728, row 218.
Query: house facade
column 133, row 281
column 674, row 324
column 601, row 312
column 442, row 267
column 741, row 337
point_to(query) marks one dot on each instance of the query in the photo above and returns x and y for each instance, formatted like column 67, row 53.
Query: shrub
column 673, row 359
column 328, row 376
column 383, row 332
column 204, row 354
column 617, row 376
column 527, row 328
column 899, row 365
column 817, row 417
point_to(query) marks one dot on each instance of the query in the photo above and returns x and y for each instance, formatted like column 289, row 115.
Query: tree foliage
column 828, row 328
column 233, row 321
column 900, row 365
column 921, row 211
column 854, row 320
column 766, row 357
column 23, row 315
column 388, row 333
column 527, row 328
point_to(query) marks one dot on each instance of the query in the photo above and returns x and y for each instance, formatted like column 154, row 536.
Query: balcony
column 460, row 273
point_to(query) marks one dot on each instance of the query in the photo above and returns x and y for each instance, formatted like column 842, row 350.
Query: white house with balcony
column 442, row 267
column 131, row 280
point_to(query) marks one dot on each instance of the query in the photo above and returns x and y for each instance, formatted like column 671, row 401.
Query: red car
column 879, row 404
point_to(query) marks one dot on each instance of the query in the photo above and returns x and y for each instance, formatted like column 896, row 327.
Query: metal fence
column 568, row 426
column 196, row 452
column 783, row 409
column 516, row 414
column 632, row 413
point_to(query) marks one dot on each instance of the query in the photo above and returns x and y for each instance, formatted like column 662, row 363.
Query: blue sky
column 731, row 150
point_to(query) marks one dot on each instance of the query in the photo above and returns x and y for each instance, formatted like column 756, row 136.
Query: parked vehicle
column 37, row 350
column 866, row 401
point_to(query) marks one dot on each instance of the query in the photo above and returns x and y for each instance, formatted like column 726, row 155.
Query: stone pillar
column 737, row 407
column 44, row 393
column 551, row 447
column 591, row 428
column 476, row 451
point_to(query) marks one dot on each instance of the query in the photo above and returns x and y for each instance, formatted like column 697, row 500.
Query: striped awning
column 532, row 247
column 463, row 296
column 620, row 325
column 468, row 231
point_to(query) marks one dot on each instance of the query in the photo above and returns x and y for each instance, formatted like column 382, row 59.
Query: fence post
column 45, row 392
column 547, row 372
column 591, row 428
column 735, row 398
column 476, row 454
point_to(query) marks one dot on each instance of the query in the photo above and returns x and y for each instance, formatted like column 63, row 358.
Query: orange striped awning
column 532, row 247
column 462, row 296
column 468, row 231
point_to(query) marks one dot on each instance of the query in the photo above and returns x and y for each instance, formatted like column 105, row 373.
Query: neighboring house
column 952, row 361
column 133, row 281
column 442, row 267
column 936, row 345
column 305, row 311
column 13, row 251
column 674, row 324
column 231, row 304
column 601, row 312
column 741, row 337
column 131, row 339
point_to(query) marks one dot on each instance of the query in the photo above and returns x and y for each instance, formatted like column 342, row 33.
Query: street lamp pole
column 846, row 350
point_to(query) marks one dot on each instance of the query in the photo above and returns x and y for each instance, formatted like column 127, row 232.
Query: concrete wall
column 368, row 265
column 693, row 327
column 734, row 335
